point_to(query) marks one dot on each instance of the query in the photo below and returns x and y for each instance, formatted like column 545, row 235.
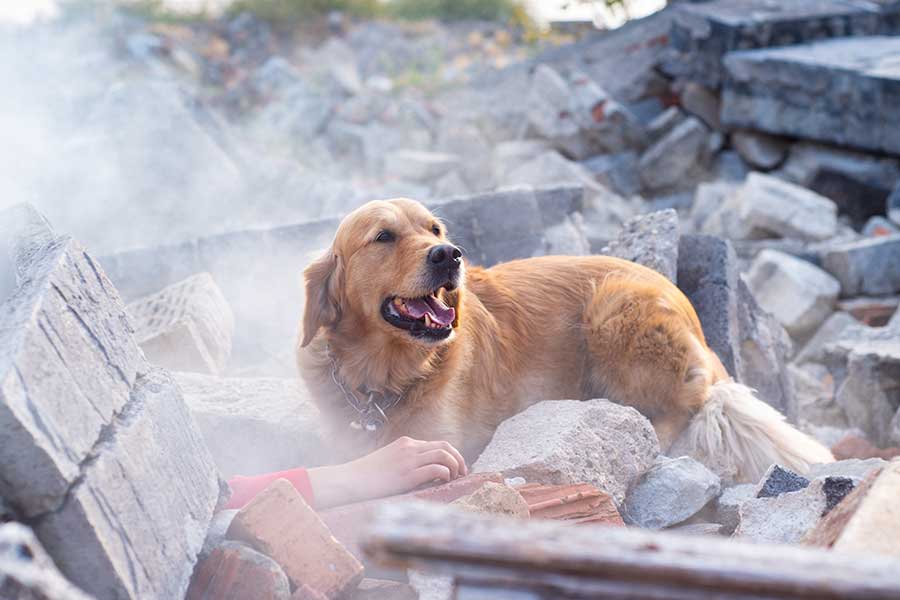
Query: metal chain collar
column 372, row 413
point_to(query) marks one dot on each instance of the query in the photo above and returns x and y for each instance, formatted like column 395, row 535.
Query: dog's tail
column 739, row 436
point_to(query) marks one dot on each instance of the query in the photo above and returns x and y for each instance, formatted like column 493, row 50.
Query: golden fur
column 528, row 330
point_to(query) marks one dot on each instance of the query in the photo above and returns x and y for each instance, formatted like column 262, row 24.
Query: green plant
column 288, row 11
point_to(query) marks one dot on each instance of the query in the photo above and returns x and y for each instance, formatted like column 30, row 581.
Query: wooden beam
column 492, row 557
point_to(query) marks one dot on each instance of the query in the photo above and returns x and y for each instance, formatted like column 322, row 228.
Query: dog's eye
column 436, row 230
column 384, row 236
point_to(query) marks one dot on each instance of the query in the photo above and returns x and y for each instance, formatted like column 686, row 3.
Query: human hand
column 399, row 467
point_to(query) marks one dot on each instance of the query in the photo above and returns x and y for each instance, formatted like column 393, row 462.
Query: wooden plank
column 547, row 559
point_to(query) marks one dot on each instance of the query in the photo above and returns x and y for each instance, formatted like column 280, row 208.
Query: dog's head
column 390, row 269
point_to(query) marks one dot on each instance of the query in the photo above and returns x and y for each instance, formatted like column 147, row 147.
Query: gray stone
column 867, row 376
column 702, row 103
column 858, row 183
column 188, row 326
column 665, row 122
column 702, row 33
column 506, row 156
column 708, row 199
column 804, row 91
column 752, row 345
column 697, row 529
column 215, row 534
column 257, row 425
column 670, row 159
column 894, row 433
column 650, row 240
column 893, row 205
column 771, row 206
column 417, row 165
column 799, row 294
column 879, row 226
column 566, row 238
column 595, row 441
column 26, row 570
column 670, row 492
column 729, row 503
column 729, row 166
column 831, row 329
column 865, row 267
column 778, row 481
column 450, row 184
column 853, row 469
column 782, row 519
column 759, row 150
column 814, row 390
column 431, row 587
column 617, row 172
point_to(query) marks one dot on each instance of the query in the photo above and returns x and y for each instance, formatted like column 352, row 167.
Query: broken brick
column 579, row 503
column 854, row 446
column 234, row 571
column 279, row 523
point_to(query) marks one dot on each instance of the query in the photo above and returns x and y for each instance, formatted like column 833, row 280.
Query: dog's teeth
column 427, row 320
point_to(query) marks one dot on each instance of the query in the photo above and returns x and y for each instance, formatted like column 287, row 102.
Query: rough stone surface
column 650, row 240
column 729, row 503
column 875, row 527
column 779, row 480
column 832, row 524
column 867, row 375
column 138, row 540
column 255, row 425
column 854, row 469
column 26, row 570
column 770, row 206
column 702, row 33
column 759, row 150
column 431, row 587
column 831, row 329
column 804, row 91
column 799, row 294
column 672, row 491
column 188, row 326
column 234, row 571
column 785, row 518
column 753, row 346
column 279, row 523
column 702, row 103
column 495, row 498
column 418, row 165
column 667, row 161
column 866, row 267
column 595, row 441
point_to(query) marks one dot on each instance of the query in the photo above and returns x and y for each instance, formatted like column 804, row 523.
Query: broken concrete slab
column 234, row 571
column 650, row 240
column 188, row 326
column 769, row 206
column 26, row 570
column 875, row 525
column 279, row 523
column 804, row 91
column 865, row 267
column 702, row 33
column 752, row 345
column 799, row 294
column 670, row 159
column 595, row 441
column 670, row 492
column 729, row 503
column 255, row 425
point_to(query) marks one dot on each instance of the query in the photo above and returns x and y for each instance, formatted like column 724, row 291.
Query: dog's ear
column 323, row 306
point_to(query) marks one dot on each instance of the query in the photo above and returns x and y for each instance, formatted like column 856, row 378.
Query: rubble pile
column 745, row 149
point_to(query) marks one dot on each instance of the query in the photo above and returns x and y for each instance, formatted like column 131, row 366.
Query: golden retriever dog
column 401, row 337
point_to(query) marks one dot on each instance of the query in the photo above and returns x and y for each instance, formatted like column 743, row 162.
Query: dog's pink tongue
column 439, row 312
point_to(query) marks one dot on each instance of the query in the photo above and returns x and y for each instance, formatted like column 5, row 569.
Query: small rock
column 779, row 481
column 775, row 207
column 729, row 503
column 760, row 150
column 495, row 498
column 799, row 294
column 664, row 122
column 650, row 240
column 594, row 441
column 785, row 518
column 701, row 102
column 234, row 571
column 667, row 161
column 866, row 267
column 672, row 491
column 418, row 165
column 878, row 226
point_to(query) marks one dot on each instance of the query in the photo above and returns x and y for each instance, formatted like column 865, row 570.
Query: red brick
column 853, row 446
column 304, row 592
column 829, row 528
column 234, row 571
column 280, row 524
column 348, row 523
column 580, row 503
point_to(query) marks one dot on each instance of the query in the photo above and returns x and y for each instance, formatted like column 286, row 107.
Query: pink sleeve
column 244, row 489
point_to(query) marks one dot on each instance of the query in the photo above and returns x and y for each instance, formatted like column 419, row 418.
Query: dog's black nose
column 445, row 255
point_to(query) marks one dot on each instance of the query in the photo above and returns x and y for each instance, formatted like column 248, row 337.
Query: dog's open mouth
column 426, row 317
